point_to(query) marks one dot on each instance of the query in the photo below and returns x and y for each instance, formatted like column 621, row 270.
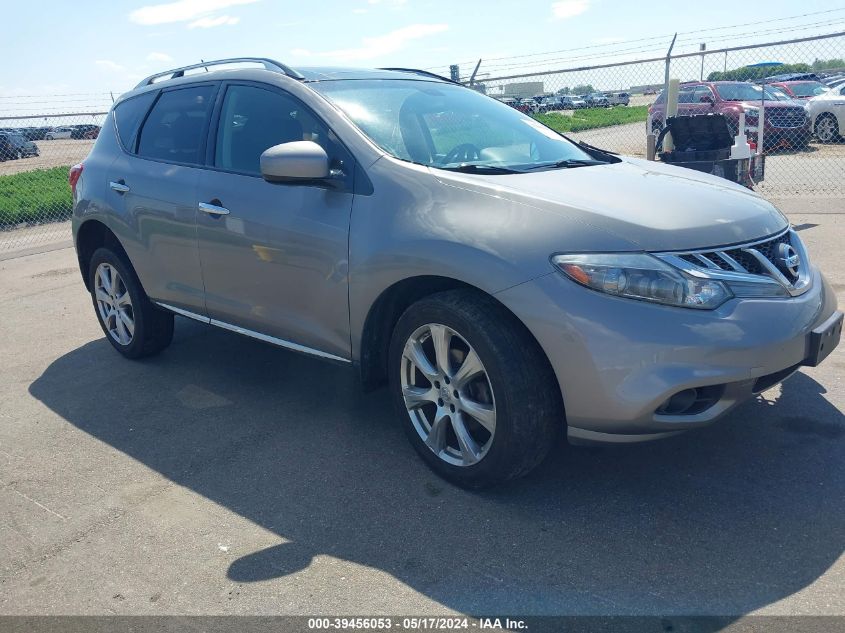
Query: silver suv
column 507, row 283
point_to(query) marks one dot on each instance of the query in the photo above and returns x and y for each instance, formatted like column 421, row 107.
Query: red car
column 801, row 89
column 787, row 122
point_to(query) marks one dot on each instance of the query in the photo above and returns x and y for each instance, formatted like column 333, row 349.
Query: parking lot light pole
column 702, row 47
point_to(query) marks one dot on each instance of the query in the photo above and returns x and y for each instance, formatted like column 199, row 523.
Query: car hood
column 649, row 205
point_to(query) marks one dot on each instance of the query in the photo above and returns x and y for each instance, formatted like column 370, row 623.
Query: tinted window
column 701, row 92
column 686, row 96
column 253, row 119
column 128, row 115
column 175, row 126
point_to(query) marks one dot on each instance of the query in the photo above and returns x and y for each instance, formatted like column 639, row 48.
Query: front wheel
column 827, row 128
column 475, row 393
column 131, row 323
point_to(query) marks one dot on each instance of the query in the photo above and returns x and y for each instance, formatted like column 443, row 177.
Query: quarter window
column 176, row 125
column 128, row 115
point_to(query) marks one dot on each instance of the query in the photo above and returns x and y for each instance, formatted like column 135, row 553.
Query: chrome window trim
column 296, row 347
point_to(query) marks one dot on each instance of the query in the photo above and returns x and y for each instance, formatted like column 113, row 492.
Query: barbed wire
column 616, row 52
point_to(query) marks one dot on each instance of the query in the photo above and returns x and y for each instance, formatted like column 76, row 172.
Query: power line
column 616, row 53
column 652, row 38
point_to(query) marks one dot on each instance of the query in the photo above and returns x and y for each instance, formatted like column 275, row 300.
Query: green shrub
column 42, row 195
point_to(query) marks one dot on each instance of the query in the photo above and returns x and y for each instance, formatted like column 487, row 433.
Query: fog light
column 691, row 401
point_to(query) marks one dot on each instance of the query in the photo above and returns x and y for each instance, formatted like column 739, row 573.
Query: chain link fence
column 41, row 137
column 787, row 91
column 795, row 104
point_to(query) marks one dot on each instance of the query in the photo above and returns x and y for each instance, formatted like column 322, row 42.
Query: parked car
column 84, row 131
column 528, row 106
column 506, row 283
column 567, row 102
column 649, row 91
column 34, row 133
column 618, row 98
column 786, row 122
column 597, row 100
column 834, row 81
column 573, row 102
column 58, row 132
column 508, row 101
column 801, row 89
column 14, row 145
column 827, row 115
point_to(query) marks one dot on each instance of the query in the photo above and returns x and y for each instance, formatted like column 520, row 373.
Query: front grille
column 786, row 117
column 743, row 260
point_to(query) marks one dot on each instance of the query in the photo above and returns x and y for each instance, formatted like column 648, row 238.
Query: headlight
column 641, row 276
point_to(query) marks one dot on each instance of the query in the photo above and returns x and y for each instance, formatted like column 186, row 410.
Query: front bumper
column 618, row 360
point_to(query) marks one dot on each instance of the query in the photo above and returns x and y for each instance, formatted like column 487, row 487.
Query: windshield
column 447, row 126
column 808, row 89
column 739, row 92
column 776, row 94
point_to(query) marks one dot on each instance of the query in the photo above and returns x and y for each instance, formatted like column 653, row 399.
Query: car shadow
column 724, row 520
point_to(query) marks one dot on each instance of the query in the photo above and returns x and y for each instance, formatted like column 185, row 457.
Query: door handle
column 119, row 187
column 213, row 209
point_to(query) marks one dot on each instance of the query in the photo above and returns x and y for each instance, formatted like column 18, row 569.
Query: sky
column 84, row 49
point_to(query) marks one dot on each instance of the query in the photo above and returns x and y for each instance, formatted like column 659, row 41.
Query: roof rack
column 424, row 73
column 269, row 64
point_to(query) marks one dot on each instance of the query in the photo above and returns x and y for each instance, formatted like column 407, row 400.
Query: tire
column 516, row 385
column 151, row 328
column 48, row 138
column 827, row 128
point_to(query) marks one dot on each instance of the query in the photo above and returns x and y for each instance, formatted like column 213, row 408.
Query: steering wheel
column 462, row 152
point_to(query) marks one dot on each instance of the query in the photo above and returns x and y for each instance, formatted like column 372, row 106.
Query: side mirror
column 294, row 161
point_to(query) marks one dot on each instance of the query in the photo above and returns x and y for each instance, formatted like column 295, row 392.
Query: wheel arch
column 91, row 235
column 392, row 303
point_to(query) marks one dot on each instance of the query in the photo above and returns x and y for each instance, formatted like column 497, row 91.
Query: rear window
column 128, row 115
column 175, row 127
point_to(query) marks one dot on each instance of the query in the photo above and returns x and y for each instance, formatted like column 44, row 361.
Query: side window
column 685, row 95
column 174, row 128
column 253, row 119
column 702, row 91
column 128, row 115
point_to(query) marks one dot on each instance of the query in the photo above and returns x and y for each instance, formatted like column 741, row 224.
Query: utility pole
column 702, row 47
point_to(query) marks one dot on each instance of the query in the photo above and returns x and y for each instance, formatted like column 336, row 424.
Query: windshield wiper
column 472, row 168
column 569, row 162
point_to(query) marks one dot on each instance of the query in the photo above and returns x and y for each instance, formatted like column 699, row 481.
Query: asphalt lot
column 230, row 477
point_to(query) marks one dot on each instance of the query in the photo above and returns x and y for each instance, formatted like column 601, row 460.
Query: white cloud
column 569, row 8
column 374, row 47
column 108, row 64
column 392, row 3
column 209, row 22
column 181, row 11
column 159, row 57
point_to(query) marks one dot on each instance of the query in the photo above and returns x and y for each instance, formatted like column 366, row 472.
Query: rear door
column 274, row 255
column 153, row 186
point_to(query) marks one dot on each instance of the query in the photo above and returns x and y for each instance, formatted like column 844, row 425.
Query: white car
column 827, row 114
column 59, row 132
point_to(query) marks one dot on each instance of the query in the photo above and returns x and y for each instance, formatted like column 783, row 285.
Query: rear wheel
column 477, row 397
column 131, row 323
column 827, row 128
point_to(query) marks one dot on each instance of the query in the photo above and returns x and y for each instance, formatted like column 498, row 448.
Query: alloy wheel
column 114, row 304
column 448, row 395
column 826, row 129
